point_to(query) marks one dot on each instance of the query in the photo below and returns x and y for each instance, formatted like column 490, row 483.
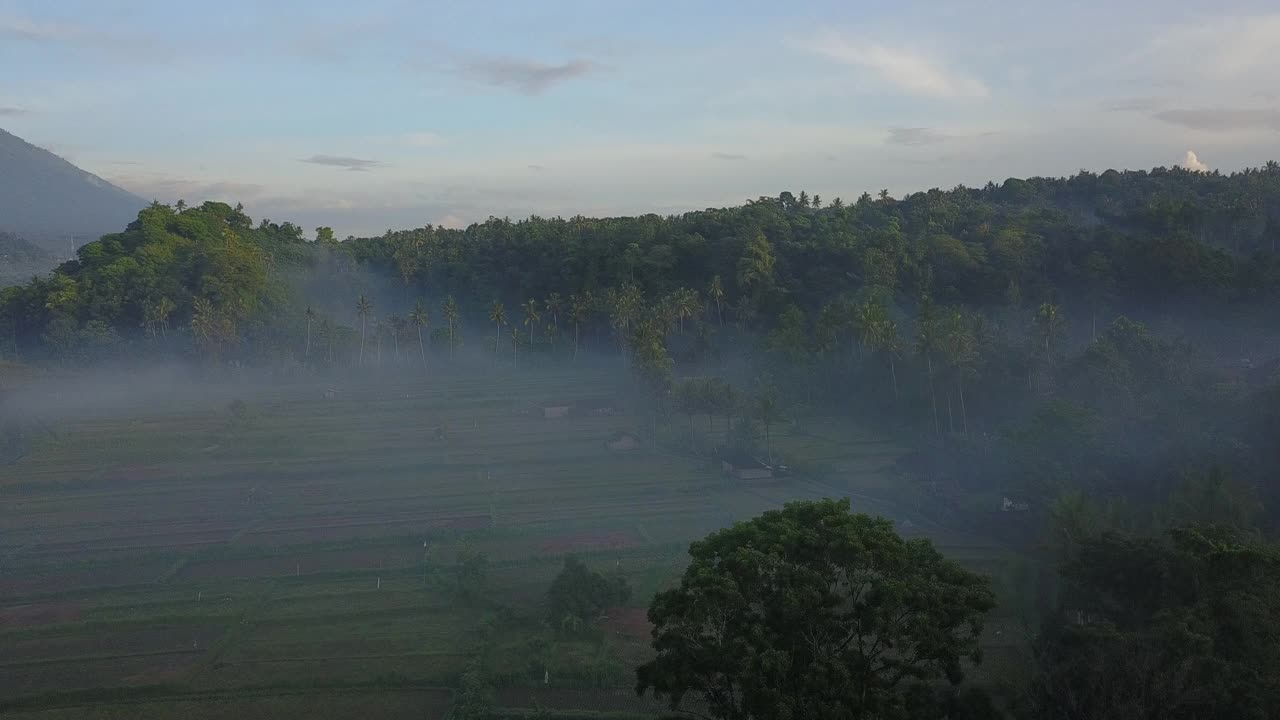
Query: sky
column 396, row 113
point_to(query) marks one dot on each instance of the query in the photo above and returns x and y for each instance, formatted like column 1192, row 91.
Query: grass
column 311, row 545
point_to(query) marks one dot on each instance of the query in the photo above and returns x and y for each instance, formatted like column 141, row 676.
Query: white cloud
column 1191, row 162
column 453, row 221
column 36, row 30
column 903, row 68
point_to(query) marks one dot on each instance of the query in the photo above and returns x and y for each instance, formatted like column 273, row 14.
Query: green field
column 169, row 559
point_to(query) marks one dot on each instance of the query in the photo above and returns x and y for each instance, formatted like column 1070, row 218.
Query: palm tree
column 406, row 261
column 497, row 316
column 579, row 313
column 363, row 308
column 554, row 305
column 769, row 410
column 451, row 315
column 685, row 304
column 326, row 332
column 515, row 346
column 311, row 316
column 959, row 345
column 664, row 313
column 867, row 319
column 395, row 324
column 624, row 310
column 531, row 317
column 1049, row 323
column 927, row 339
column 420, row 317
column 715, row 293
column 889, row 341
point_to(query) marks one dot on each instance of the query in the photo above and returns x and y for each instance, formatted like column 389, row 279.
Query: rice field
column 295, row 558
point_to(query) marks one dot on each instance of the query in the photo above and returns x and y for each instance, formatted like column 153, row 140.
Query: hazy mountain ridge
column 19, row 259
column 46, row 199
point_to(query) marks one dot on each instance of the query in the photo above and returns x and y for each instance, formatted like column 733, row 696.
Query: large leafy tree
column 579, row 595
column 812, row 612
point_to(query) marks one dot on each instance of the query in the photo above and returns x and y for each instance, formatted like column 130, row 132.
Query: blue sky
column 392, row 113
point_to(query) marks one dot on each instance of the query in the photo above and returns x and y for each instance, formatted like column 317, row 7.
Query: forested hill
column 47, row 199
column 1097, row 244
column 1161, row 234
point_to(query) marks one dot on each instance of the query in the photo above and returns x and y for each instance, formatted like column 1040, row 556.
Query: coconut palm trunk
column 363, row 323
column 933, row 394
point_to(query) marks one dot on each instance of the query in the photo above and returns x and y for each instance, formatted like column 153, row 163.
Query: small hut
column 1015, row 505
column 555, row 409
column 742, row 466
column 622, row 442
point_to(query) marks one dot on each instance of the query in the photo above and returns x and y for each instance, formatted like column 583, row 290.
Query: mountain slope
column 45, row 199
column 19, row 259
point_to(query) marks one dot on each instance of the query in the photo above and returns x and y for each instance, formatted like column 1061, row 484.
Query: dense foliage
column 1183, row 626
column 1150, row 240
column 579, row 595
column 814, row 612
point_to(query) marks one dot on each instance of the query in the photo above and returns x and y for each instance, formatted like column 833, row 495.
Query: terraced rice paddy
column 170, row 560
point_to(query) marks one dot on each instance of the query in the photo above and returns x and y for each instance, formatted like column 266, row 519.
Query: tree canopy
column 579, row 595
column 813, row 612
column 1181, row 626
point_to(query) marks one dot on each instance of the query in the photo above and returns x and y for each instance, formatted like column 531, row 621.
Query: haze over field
column 625, row 361
column 396, row 114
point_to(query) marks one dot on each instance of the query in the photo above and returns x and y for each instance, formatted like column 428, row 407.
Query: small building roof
column 740, row 459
